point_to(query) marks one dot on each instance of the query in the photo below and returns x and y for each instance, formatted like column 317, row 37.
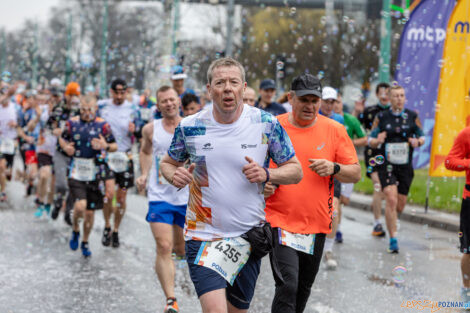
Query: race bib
column 62, row 124
column 83, row 169
column 397, row 153
column 227, row 256
column 145, row 114
column 161, row 180
column 7, row 146
column 300, row 242
column 118, row 162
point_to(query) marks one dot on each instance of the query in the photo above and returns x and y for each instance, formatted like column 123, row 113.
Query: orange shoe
column 171, row 306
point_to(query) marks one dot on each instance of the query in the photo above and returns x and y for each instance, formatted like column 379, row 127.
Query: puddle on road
column 380, row 280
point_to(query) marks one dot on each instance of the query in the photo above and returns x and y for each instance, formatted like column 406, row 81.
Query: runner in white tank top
column 167, row 204
column 159, row 189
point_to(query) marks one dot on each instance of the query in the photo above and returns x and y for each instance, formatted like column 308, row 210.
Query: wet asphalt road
column 39, row 273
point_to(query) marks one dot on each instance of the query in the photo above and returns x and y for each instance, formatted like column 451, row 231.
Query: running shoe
column 3, row 197
column 331, row 263
column 339, row 237
column 39, row 209
column 74, row 240
column 171, row 306
column 106, row 239
column 378, row 231
column 55, row 212
column 393, row 247
column 465, row 295
column 115, row 239
column 68, row 217
column 85, row 249
column 29, row 190
column 47, row 208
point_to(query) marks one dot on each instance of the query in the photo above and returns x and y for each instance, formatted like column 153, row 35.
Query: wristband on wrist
column 267, row 175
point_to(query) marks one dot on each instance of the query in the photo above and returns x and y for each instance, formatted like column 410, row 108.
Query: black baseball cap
column 267, row 84
column 306, row 84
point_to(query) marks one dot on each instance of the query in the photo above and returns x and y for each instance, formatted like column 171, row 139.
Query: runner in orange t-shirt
column 301, row 215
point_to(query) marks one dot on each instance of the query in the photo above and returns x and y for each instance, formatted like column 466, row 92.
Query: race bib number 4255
column 227, row 256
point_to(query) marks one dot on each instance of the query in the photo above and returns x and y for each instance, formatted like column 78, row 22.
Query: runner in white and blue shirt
column 229, row 147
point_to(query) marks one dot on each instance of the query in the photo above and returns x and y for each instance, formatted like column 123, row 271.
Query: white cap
column 179, row 76
column 56, row 82
column 329, row 93
column 357, row 95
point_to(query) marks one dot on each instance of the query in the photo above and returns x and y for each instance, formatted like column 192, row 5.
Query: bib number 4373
column 227, row 256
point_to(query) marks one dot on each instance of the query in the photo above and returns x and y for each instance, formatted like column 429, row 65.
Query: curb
column 413, row 213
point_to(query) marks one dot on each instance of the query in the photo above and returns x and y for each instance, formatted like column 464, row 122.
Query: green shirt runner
column 353, row 126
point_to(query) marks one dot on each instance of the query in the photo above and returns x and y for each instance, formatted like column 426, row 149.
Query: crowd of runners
column 230, row 176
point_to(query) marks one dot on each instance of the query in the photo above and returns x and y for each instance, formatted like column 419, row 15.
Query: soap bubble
column 398, row 274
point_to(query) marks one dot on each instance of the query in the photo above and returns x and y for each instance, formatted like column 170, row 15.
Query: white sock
column 376, row 222
column 329, row 244
column 338, row 228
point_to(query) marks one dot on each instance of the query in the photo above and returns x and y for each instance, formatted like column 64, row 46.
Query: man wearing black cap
column 299, row 219
column 267, row 89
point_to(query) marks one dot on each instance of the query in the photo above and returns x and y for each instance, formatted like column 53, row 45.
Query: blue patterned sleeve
column 280, row 147
column 177, row 150
column 138, row 122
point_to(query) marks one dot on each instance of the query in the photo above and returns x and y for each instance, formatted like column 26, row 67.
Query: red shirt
column 459, row 157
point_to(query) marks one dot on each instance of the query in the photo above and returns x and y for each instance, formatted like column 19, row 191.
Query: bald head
column 249, row 97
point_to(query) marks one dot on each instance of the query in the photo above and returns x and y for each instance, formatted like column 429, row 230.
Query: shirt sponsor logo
column 207, row 146
column 319, row 147
column 247, row 146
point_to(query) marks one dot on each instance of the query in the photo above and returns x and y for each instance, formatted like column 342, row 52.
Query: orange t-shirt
column 307, row 207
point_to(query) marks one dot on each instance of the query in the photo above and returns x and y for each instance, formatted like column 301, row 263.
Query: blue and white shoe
column 339, row 237
column 74, row 240
column 393, row 247
column 39, row 211
column 85, row 249
column 465, row 296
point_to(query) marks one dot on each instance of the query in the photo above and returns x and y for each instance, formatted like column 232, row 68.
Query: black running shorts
column 89, row 191
column 9, row 158
column 400, row 175
column 44, row 160
column 125, row 179
column 464, row 234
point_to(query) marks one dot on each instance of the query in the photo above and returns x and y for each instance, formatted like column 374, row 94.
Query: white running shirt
column 222, row 202
column 7, row 115
column 158, row 187
column 119, row 117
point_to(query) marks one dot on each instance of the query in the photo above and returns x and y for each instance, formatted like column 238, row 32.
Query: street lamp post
column 104, row 47
column 230, row 13
column 385, row 39
column 68, row 58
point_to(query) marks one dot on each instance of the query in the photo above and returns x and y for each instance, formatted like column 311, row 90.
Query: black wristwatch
column 336, row 168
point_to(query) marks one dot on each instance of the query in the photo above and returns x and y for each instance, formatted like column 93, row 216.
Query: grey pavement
column 413, row 213
column 39, row 273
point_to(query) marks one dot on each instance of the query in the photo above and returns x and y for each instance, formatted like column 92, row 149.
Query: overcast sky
column 14, row 12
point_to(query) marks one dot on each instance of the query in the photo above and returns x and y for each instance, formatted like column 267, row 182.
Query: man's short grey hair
column 224, row 62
